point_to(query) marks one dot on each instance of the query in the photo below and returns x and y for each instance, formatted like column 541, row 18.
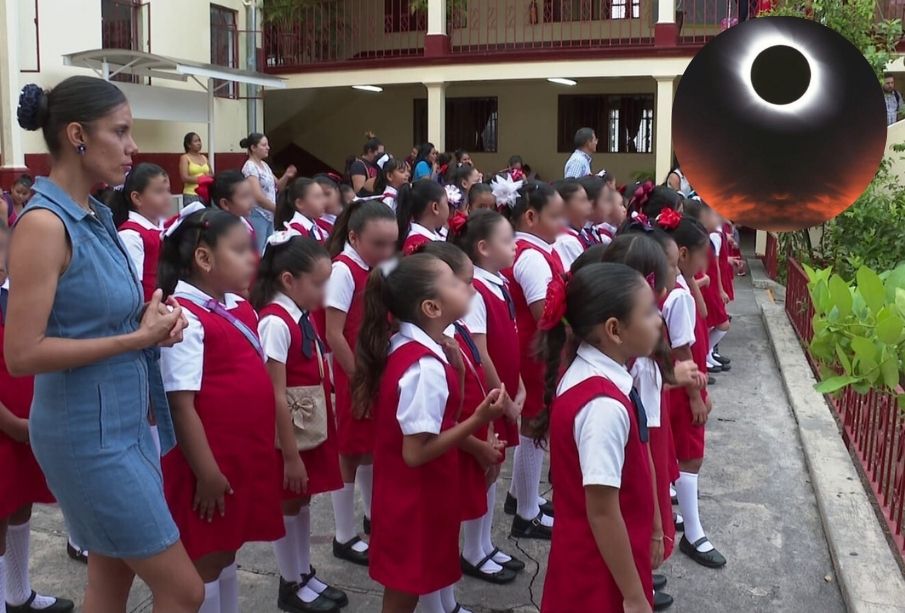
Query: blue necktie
column 4, row 299
column 641, row 414
column 466, row 336
column 509, row 302
column 309, row 336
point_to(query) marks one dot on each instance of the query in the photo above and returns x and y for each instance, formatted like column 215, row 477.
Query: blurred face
column 693, row 261
column 637, row 336
column 672, row 271
column 242, row 202
column 602, row 209
column 432, row 156
column 889, row 84
column 195, row 144
column 334, row 201
column 20, row 195
column 155, row 202
column 470, row 180
column 108, row 145
column 348, row 196
column 498, row 251
column 453, row 294
column 399, row 177
column 308, row 289
column 467, row 277
column 617, row 210
column 314, row 202
column 484, row 200
column 262, row 149
column 230, row 266
column 466, row 160
column 377, row 241
column 579, row 209
column 548, row 222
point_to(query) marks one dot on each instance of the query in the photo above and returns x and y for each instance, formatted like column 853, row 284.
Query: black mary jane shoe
column 511, row 506
column 61, row 605
column 722, row 361
column 501, row 577
column 289, row 601
column 366, row 525
column 714, row 369
column 710, row 559
column 659, row 581
column 345, row 551
column 662, row 601
column 680, row 525
column 79, row 555
column 711, row 381
column 530, row 528
column 513, row 563
column 336, row 595
column 723, row 367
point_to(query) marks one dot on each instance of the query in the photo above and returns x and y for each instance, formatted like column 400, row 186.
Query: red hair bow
column 669, row 219
column 651, row 280
column 204, row 188
column 642, row 193
column 457, row 222
column 555, row 304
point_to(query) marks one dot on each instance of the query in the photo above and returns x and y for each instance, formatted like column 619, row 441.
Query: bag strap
column 218, row 309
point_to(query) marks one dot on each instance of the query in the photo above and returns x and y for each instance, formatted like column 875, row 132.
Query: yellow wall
column 330, row 123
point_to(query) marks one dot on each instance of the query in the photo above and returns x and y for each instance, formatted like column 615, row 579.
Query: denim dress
column 88, row 426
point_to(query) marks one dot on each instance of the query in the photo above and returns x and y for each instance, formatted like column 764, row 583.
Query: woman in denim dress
column 76, row 320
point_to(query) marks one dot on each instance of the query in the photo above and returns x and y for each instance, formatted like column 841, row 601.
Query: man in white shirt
column 579, row 165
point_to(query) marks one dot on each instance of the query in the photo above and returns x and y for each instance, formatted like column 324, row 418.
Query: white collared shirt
column 341, row 286
column 423, row 390
column 417, row 229
column 5, row 284
column 649, row 383
column 330, row 218
column 182, row 364
column 389, row 197
column 275, row 334
column 679, row 311
column 716, row 239
column 135, row 247
column 568, row 247
column 315, row 230
column 531, row 270
column 476, row 318
column 602, row 427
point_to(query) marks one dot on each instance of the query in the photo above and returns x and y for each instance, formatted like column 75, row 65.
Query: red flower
column 555, row 304
column 669, row 219
column 204, row 188
column 641, row 195
column 457, row 222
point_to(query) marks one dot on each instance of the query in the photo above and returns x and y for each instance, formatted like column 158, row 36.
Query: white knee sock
column 532, row 460
column 344, row 515
column 716, row 335
column 155, row 435
column 687, row 491
column 18, row 582
column 211, row 598
column 286, row 551
column 229, row 590
column 303, row 546
column 487, row 528
column 513, row 485
column 431, row 603
column 473, row 548
column 364, row 480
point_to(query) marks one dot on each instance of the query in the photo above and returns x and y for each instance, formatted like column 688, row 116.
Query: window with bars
column 399, row 17
column 626, row 119
column 471, row 124
column 225, row 47
column 556, row 11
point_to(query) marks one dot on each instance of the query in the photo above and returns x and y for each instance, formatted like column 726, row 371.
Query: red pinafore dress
column 21, row 479
column 413, row 242
column 716, row 309
column 308, row 233
column 725, row 267
column 415, row 512
column 322, row 462
column 151, row 241
column 236, row 409
column 472, row 477
column 325, row 225
column 532, row 369
column 577, row 575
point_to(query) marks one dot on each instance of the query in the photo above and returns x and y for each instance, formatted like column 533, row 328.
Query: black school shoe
column 501, row 577
column 722, row 361
column 710, row 559
column 60, row 606
column 288, row 600
column 79, row 555
column 513, row 563
column 659, row 581
column 344, row 551
column 511, row 506
column 716, row 352
column 680, row 525
column 714, row 369
column 366, row 525
column 337, row 596
column 662, row 601
column 530, row 528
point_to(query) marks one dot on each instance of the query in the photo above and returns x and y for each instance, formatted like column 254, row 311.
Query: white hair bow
column 185, row 212
column 388, row 266
column 454, row 195
column 383, row 160
column 505, row 190
column 281, row 237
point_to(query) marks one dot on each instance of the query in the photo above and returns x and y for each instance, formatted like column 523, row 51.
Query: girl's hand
column 639, row 605
column 181, row 324
column 18, row 430
column 656, row 550
column 488, row 456
column 210, row 496
column 724, row 297
column 295, row 475
column 493, row 406
column 709, row 405
column 160, row 325
column 687, row 373
column 291, row 171
column 492, row 474
column 699, row 412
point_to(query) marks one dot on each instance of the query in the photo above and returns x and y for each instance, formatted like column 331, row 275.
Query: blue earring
column 81, row 149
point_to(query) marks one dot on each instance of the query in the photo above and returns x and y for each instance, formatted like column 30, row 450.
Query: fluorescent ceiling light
column 368, row 88
column 561, row 81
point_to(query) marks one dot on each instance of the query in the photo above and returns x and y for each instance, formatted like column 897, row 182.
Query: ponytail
column 354, row 218
column 177, row 254
column 412, row 201
column 286, row 209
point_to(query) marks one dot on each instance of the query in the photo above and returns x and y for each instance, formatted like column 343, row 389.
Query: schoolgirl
column 16, row 199
column 394, row 174
column 22, row 483
column 300, row 205
column 222, row 482
column 365, row 236
column 421, row 210
column 230, row 191
column 537, row 214
column 598, row 195
column 411, row 384
column 690, row 406
column 572, row 241
column 333, row 206
column 598, row 434
column 291, row 283
column 480, row 196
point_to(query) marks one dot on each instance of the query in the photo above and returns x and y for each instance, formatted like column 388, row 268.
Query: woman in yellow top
column 192, row 164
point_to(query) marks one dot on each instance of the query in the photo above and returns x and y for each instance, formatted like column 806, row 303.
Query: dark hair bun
column 244, row 143
column 32, row 111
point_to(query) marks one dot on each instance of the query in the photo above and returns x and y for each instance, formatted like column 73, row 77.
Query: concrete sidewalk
column 757, row 506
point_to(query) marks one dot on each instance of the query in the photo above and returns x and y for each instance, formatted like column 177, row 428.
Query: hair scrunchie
column 32, row 110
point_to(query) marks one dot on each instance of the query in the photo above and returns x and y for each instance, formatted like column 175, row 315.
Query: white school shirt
column 568, row 247
column 418, row 229
column 531, row 271
column 182, row 364
column 602, row 426
column 132, row 241
column 423, row 390
column 679, row 311
column 315, row 230
column 649, row 383
column 389, row 197
column 275, row 334
column 476, row 318
column 341, row 286
column 716, row 239
column 330, row 218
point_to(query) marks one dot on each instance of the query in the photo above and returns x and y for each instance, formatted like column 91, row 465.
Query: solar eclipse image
column 779, row 123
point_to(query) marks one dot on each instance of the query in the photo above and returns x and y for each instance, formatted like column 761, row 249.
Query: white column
column 10, row 132
column 666, row 11
column 436, row 17
column 436, row 114
column 663, row 127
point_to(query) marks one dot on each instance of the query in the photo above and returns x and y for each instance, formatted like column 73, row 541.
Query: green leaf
column 900, row 300
column 834, row 384
column 864, row 349
column 841, row 295
column 901, row 400
column 843, row 359
column 890, row 370
column 871, row 288
column 810, row 272
column 889, row 330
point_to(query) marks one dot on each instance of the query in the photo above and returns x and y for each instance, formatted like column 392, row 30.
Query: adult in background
column 192, row 165
column 425, row 166
column 894, row 105
column 76, row 320
column 677, row 180
column 364, row 170
column 579, row 164
column 264, row 184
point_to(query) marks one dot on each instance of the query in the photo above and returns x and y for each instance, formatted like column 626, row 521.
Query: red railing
column 771, row 256
column 873, row 426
